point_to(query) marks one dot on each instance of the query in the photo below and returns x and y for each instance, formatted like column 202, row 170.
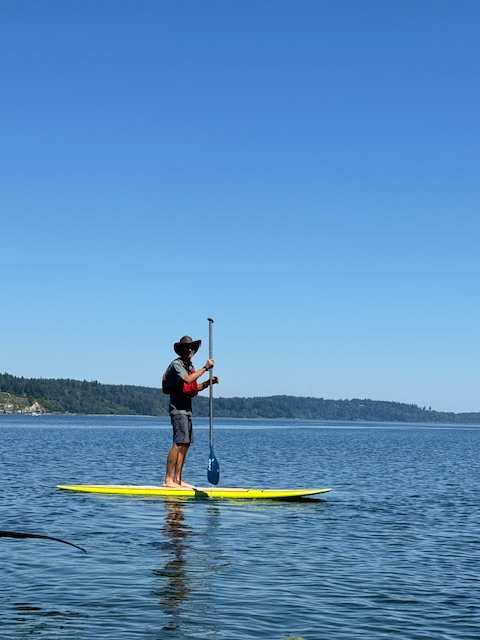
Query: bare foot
column 185, row 485
column 170, row 484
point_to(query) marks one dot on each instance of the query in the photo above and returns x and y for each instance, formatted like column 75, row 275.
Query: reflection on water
column 191, row 559
column 173, row 588
column 24, row 609
column 33, row 620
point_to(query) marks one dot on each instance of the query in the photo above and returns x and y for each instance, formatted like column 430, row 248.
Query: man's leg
column 183, row 446
column 171, row 465
column 182, row 436
column 182, row 450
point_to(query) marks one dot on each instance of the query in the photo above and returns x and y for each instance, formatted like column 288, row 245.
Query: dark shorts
column 182, row 428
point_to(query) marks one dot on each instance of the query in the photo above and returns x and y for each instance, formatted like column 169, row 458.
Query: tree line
column 88, row 397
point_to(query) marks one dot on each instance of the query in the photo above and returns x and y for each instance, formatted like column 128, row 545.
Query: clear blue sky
column 304, row 172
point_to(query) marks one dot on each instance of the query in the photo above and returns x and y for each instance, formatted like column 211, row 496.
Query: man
column 180, row 382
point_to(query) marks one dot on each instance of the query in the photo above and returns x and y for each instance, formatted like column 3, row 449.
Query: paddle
column 213, row 469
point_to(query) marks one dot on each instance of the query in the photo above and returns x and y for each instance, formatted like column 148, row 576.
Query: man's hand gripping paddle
column 213, row 469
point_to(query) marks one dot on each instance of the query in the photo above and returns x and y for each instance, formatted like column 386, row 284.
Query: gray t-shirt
column 175, row 376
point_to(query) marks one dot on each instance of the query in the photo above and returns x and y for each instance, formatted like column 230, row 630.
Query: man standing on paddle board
column 180, row 382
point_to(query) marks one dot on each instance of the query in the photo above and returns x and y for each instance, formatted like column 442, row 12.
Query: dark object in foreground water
column 19, row 534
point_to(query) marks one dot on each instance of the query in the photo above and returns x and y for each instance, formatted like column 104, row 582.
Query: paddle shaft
column 210, row 376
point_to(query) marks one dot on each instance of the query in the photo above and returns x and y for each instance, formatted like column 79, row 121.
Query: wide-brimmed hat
column 186, row 341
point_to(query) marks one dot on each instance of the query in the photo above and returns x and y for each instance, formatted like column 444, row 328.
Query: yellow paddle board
column 235, row 493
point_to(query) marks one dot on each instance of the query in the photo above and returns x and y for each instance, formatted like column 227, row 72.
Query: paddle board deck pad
column 235, row 493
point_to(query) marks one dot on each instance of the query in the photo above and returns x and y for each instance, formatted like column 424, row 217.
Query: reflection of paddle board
column 198, row 492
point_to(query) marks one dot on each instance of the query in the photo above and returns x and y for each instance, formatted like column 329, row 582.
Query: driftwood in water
column 19, row 534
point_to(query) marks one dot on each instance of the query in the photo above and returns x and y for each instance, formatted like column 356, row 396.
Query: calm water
column 392, row 552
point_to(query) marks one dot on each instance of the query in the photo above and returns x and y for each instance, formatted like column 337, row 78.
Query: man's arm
column 204, row 385
column 192, row 377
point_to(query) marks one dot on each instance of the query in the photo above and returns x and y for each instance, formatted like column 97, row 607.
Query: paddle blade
column 213, row 469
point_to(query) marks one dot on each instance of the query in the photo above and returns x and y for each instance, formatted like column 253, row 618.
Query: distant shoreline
column 81, row 397
column 303, row 421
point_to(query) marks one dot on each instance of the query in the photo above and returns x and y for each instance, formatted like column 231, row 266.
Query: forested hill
column 74, row 396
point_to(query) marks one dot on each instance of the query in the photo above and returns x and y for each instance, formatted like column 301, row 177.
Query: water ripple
column 394, row 552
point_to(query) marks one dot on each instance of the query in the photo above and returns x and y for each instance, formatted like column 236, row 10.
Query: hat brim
column 179, row 346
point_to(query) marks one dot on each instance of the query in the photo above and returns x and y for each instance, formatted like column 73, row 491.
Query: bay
column 392, row 552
